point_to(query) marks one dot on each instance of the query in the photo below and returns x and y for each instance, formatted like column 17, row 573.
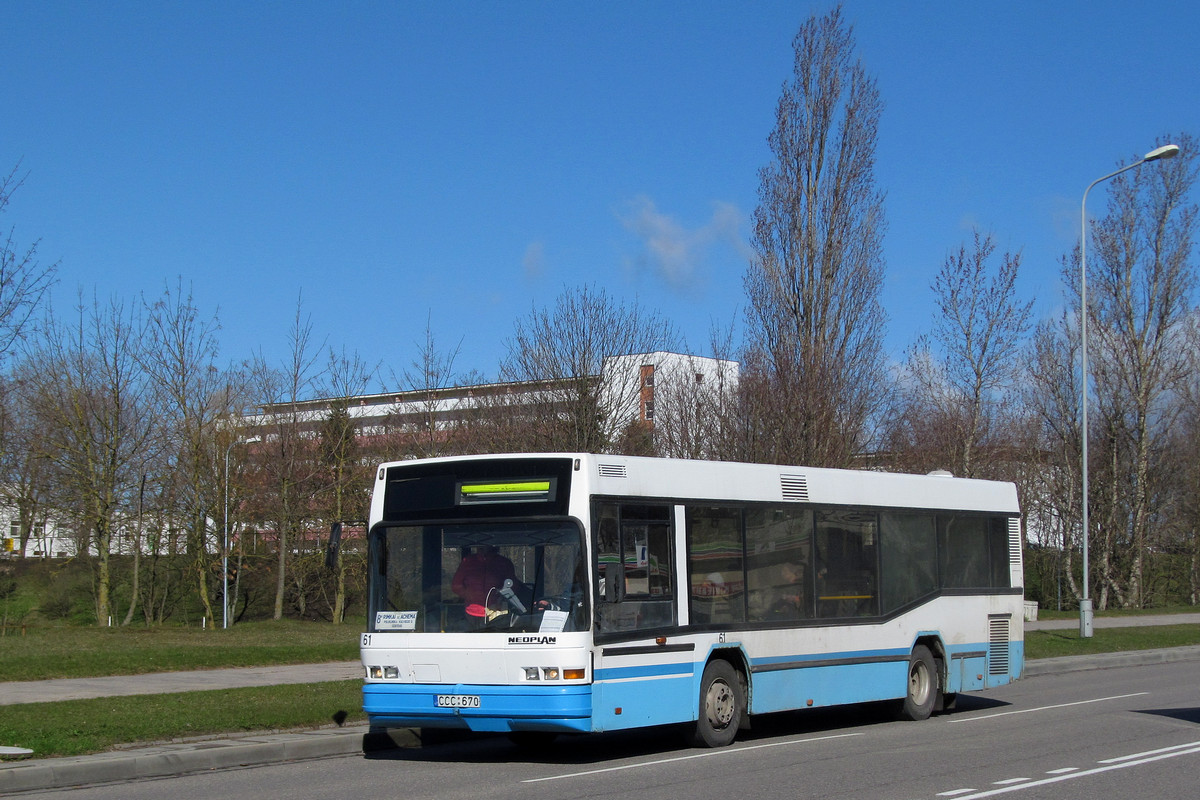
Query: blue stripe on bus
column 645, row 671
column 501, row 708
column 845, row 658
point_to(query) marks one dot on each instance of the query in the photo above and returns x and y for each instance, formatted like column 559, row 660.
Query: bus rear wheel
column 922, row 692
column 721, row 705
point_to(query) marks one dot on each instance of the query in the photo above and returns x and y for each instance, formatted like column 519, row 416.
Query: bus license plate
column 458, row 701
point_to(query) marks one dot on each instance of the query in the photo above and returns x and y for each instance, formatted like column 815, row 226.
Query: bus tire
column 921, row 692
column 721, row 705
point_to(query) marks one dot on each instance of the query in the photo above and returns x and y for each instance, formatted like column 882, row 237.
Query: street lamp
column 225, row 540
column 1166, row 151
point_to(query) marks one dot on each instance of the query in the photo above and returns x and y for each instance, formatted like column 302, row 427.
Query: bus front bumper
column 480, row 708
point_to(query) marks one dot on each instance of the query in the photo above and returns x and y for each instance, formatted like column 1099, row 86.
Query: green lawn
column 85, row 652
column 1052, row 644
column 88, row 726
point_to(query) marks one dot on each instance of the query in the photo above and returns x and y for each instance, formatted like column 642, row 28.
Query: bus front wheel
column 721, row 705
column 921, row 694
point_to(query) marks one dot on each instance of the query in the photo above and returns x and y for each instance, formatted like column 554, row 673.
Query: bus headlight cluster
column 383, row 673
column 552, row 674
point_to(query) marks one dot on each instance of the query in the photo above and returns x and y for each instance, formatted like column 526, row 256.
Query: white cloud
column 533, row 262
column 675, row 253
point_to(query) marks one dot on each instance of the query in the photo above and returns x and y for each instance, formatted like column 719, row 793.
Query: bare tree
column 194, row 399
column 347, row 476
column 92, row 399
column 1051, row 498
column 561, row 352
column 1186, row 446
column 960, row 380
column 695, row 404
column 24, row 281
column 24, row 484
column 813, row 377
column 289, row 464
column 1141, row 280
column 430, row 372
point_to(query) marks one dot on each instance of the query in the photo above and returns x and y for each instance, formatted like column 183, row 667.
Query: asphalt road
column 1116, row 733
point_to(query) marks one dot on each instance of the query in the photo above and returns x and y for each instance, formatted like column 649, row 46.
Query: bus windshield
column 490, row 577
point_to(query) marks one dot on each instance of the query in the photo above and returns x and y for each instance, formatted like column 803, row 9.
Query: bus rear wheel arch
column 722, row 706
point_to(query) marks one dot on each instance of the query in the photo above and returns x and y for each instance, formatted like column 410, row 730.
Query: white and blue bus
column 565, row 593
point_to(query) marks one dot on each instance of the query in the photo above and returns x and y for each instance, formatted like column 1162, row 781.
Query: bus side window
column 609, row 570
column 779, row 586
column 847, row 578
column 634, row 549
column 716, row 577
column 909, row 545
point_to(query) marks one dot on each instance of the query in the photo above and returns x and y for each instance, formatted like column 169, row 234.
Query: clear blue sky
column 462, row 162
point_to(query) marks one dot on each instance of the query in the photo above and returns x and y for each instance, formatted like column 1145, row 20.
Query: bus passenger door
column 637, row 681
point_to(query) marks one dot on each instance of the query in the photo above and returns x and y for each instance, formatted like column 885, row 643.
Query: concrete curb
column 1129, row 658
column 178, row 758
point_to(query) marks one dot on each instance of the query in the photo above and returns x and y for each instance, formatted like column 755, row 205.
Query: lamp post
column 225, row 539
column 1166, row 151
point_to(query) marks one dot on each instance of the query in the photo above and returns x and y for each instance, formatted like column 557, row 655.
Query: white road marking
column 1050, row 708
column 1119, row 759
column 725, row 751
column 1133, row 760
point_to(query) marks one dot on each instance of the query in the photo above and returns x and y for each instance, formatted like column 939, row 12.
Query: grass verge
column 1056, row 643
column 76, row 727
column 75, row 652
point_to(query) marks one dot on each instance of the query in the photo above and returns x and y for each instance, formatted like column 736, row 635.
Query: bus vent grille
column 1014, row 541
column 613, row 471
column 998, row 641
column 795, row 487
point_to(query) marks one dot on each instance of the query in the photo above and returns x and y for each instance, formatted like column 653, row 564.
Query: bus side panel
column 803, row 687
column 633, row 697
column 967, row 673
column 1017, row 666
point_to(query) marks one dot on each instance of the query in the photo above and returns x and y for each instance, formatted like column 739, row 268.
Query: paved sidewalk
column 175, row 758
column 51, row 691
column 1116, row 622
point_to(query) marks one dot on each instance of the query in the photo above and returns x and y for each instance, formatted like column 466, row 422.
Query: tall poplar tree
column 814, row 375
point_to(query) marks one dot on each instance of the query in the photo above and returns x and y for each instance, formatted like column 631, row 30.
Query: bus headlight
column 553, row 674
